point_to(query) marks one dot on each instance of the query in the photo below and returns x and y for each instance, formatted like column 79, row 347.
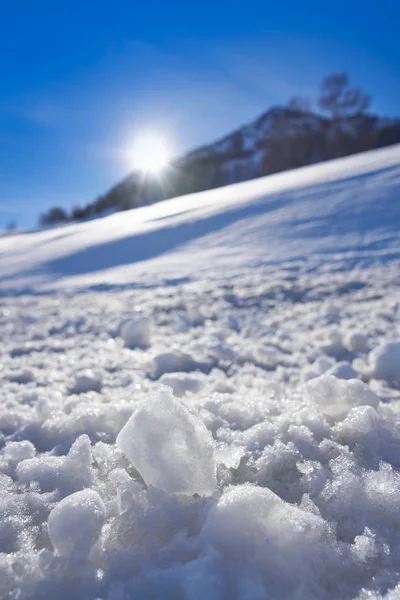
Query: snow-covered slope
column 205, row 403
column 342, row 210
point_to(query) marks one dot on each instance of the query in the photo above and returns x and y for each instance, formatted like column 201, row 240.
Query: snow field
column 205, row 403
column 270, row 472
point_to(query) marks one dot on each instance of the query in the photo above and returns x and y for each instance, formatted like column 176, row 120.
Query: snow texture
column 201, row 398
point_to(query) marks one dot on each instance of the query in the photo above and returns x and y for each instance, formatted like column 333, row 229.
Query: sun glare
column 150, row 154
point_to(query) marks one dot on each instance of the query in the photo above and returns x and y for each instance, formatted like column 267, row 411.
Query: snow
column 85, row 381
column 334, row 396
column 136, row 332
column 201, row 398
column 75, row 524
column 169, row 446
column 277, row 219
column 385, row 362
column 343, row 370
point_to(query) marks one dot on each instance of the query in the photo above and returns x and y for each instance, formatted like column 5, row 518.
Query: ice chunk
column 385, row 362
column 229, row 455
column 343, row 370
column 335, row 397
column 169, row 446
column 86, row 381
column 75, row 523
column 136, row 332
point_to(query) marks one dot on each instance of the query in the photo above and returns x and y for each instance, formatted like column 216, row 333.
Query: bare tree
column 340, row 100
column 299, row 103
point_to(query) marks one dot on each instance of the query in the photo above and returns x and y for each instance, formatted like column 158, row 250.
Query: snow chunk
column 67, row 473
column 358, row 342
column 343, row 370
column 333, row 343
column 181, row 383
column 320, row 366
column 335, row 397
column 15, row 452
column 136, row 332
column 169, row 446
column 75, row 523
column 253, row 524
column 361, row 426
column 385, row 362
column 383, row 492
column 171, row 362
column 86, row 381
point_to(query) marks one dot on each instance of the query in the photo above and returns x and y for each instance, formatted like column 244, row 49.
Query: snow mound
column 169, row 446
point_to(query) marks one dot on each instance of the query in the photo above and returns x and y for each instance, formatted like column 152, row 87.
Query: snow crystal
column 75, row 523
column 169, row 446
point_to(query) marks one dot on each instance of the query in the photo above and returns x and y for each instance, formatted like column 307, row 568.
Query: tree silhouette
column 340, row 100
column 53, row 216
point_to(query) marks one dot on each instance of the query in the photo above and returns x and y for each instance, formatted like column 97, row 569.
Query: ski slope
column 200, row 399
column 346, row 210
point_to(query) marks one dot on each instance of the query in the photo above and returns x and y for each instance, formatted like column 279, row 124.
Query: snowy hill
column 200, row 399
column 344, row 210
column 278, row 140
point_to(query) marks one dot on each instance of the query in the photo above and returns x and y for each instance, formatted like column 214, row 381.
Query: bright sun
column 149, row 154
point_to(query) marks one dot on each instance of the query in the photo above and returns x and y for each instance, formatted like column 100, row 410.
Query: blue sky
column 80, row 79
